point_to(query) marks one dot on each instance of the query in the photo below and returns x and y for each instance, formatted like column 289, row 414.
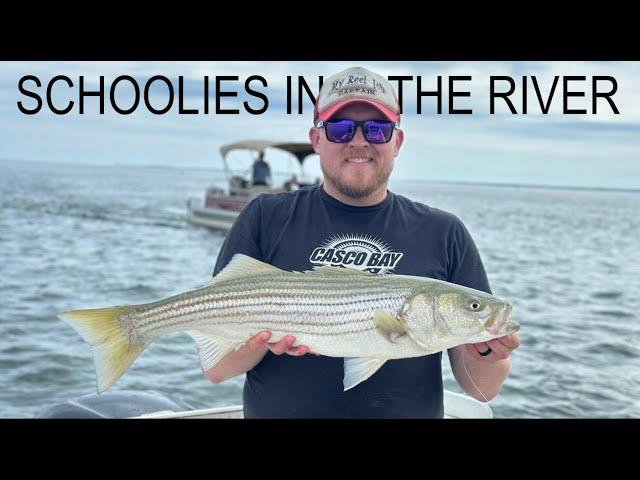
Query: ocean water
column 88, row 236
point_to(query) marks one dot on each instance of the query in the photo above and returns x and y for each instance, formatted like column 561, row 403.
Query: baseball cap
column 356, row 84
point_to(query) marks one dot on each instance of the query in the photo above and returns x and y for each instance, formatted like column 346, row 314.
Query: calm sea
column 81, row 236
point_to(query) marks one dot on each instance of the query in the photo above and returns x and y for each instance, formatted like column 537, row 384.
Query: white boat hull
column 216, row 218
column 455, row 406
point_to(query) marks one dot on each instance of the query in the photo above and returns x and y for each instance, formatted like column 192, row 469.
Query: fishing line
column 464, row 364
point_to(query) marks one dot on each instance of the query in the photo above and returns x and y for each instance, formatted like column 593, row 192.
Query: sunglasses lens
column 343, row 131
column 378, row 131
column 340, row 131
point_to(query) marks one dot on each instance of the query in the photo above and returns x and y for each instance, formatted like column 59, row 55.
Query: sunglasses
column 343, row 130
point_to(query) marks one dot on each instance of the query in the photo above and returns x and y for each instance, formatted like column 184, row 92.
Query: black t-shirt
column 298, row 230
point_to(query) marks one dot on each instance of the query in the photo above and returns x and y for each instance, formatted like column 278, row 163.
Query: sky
column 599, row 150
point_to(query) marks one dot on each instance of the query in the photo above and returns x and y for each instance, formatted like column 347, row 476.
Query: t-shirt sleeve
column 243, row 236
column 465, row 264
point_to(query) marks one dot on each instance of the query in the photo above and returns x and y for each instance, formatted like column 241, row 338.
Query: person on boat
column 261, row 171
column 356, row 131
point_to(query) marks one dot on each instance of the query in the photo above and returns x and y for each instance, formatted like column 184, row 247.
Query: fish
column 367, row 319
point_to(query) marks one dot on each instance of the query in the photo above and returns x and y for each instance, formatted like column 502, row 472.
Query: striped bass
column 365, row 318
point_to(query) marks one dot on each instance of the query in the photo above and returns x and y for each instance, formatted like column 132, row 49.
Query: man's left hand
column 494, row 350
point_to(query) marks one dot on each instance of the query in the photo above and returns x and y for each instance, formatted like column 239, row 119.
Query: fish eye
column 475, row 305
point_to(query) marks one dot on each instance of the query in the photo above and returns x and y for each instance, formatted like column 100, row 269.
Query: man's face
column 357, row 169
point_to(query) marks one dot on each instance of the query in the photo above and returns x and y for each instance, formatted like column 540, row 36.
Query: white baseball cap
column 353, row 85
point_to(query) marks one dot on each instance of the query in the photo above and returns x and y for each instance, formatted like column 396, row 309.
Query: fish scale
column 298, row 307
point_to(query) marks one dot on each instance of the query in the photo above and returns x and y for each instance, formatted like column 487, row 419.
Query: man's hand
column 482, row 376
column 494, row 350
column 251, row 353
column 285, row 345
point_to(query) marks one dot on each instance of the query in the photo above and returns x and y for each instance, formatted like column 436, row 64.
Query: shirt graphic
column 356, row 251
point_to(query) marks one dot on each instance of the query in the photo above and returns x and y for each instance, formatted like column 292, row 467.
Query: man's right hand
column 251, row 353
column 260, row 341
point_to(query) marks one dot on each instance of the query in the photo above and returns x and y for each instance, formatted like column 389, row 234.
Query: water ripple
column 74, row 237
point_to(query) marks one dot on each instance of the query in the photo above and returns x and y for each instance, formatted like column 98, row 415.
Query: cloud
column 551, row 148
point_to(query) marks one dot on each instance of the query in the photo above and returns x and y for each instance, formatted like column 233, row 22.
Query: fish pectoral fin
column 389, row 326
column 242, row 266
column 357, row 370
column 211, row 348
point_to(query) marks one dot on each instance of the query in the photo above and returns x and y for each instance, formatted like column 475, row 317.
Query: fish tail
column 113, row 350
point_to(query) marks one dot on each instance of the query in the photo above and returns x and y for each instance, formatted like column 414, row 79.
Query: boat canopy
column 300, row 150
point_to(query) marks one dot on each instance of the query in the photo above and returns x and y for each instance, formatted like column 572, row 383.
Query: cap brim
column 386, row 111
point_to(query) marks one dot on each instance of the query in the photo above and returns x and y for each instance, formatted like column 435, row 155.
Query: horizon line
column 402, row 179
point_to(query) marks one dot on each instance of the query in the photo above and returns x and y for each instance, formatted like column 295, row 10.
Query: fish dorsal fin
column 324, row 269
column 211, row 348
column 243, row 266
column 357, row 370
column 389, row 326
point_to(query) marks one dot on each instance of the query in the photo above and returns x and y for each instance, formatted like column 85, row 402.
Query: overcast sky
column 601, row 150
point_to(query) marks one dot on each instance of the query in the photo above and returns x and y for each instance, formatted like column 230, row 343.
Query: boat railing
column 456, row 405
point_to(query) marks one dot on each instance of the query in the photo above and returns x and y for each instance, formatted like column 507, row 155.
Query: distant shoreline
column 521, row 185
column 393, row 180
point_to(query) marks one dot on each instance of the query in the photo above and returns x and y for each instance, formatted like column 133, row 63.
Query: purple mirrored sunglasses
column 343, row 130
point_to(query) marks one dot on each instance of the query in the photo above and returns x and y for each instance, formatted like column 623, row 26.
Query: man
column 261, row 171
column 356, row 133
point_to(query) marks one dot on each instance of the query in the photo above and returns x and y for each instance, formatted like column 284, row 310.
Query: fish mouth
column 501, row 322
column 511, row 327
